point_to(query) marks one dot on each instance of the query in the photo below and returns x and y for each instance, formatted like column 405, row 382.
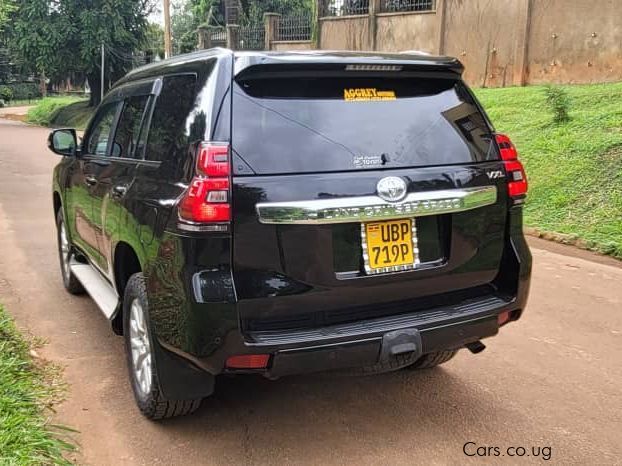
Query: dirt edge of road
column 555, row 246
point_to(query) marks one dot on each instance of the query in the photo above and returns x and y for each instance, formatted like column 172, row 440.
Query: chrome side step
column 97, row 287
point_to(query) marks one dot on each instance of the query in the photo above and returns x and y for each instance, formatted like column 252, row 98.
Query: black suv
column 282, row 213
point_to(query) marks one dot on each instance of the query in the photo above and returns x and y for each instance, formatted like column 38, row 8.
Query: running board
column 97, row 287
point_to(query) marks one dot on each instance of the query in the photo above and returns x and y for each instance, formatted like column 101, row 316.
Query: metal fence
column 345, row 7
column 218, row 37
column 295, row 27
column 251, row 38
column 407, row 5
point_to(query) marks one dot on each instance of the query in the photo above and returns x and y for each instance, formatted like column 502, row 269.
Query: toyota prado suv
column 286, row 213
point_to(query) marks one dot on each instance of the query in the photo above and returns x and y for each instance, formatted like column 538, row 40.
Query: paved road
column 552, row 380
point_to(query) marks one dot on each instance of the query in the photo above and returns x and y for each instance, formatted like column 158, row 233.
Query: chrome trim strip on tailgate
column 356, row 209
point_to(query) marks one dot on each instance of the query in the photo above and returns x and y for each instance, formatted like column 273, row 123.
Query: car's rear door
column 322, row 230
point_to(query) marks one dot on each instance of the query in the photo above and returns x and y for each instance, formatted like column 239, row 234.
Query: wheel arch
column 56, row 202
column 125, row 262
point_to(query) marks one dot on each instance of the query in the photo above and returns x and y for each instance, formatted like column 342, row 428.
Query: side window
column 168, row 137
column 128, row 128
column 99, row 134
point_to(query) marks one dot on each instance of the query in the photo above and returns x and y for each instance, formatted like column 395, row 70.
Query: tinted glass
column 168, row 137
column 128, row 128
column 286, row 125
column 97, row 141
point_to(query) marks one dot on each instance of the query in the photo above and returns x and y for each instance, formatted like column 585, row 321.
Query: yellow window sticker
column 367, row 94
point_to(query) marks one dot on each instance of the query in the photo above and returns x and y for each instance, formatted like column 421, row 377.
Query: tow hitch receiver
column 401, row 342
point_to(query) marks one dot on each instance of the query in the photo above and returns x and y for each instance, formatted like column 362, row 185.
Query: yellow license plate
column 390, row 246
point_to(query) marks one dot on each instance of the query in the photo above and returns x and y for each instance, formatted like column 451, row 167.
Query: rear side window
column 304, row 124
column 128, row 129
column 168, row 135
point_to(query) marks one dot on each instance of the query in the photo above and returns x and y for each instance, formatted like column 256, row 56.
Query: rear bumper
column 366, row 343
column 353, row 345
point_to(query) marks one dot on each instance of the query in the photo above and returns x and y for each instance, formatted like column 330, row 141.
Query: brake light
column 517, row 178
column 207, row 199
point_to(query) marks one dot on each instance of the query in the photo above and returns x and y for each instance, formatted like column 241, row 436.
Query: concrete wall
column 292, row 45
column 415, row 31
column 575, row 41
column 484, row 35
column 345, row 33
column 501, row 42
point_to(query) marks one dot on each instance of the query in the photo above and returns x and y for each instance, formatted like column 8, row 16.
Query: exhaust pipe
column 476, row 347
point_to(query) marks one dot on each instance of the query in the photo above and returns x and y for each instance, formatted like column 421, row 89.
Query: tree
column 58, row 37
column 153, row 45
column 183, row 28
column 6, row 8
column 255, row 9
column 188, row 16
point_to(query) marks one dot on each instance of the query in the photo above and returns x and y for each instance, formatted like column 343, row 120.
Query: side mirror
column 63, row 142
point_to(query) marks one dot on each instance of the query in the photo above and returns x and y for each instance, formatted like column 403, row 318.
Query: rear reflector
column 517, row 179
column 504, row 318
column 248, row 361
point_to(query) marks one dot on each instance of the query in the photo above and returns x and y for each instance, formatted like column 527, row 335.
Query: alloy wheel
column 140, row 348
column 65, row 252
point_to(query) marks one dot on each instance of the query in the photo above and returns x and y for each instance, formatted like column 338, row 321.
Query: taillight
column 213, row 159
column 207, row 199
column 517, row 179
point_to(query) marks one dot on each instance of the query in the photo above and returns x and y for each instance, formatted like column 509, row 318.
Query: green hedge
column 21, row 91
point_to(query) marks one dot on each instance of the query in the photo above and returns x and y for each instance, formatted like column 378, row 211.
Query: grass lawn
column 67, row 112
column 26, row 389
column 574, row 168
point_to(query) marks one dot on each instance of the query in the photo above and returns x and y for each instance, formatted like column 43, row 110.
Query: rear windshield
column 302, row 125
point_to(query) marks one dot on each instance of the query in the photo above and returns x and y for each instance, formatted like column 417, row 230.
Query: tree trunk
column 95, row 84
column 43, row 85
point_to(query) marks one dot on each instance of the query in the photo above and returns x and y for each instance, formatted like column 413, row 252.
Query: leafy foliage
column 183, row 28
column 153, row 44
column 58, row 37
column 186, row 18
column 6, row 8
column 21, row 91
column 255, row 9
column 6, row 93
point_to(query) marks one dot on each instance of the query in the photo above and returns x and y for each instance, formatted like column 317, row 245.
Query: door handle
column 90, row 180
column 119, row 191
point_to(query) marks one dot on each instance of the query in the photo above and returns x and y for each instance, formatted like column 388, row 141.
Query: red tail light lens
column 213, row 159
column 207, row 199
column 195, row 206
column 517, row 178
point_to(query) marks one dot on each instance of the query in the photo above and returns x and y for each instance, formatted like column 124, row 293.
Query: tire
column 139, row 349
column 65, row 253
column 430, row 360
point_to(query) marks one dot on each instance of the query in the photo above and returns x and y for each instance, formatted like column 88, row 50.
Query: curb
column 569, row 240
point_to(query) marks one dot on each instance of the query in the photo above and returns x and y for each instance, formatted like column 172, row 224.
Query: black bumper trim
column 421, row 320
